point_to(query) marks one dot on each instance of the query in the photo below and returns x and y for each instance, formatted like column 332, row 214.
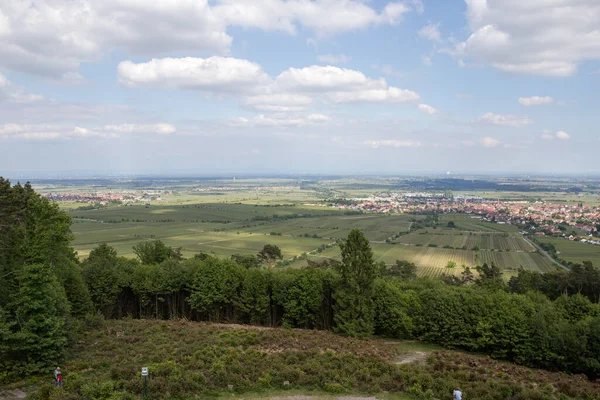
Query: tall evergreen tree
column 355, row 310
column 39, row 337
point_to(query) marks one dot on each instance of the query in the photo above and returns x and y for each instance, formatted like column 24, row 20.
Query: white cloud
column 323, row 17
column 280, row 120
column 52, row 38
column 430, row 32
column 162, row 128
column 536, row 37
column 507, row 120
column 317, row 78
column 333, row 58
column 489, row 142
column 318, row 118
column 342, row 85
column 535, row 100
column 277, row 102
column 563, row 135
column 214, row 73
column 391, row 143
column 428, row 109
column 292, row 90
column 389, row 95
column 47, row 132
column 427, row 61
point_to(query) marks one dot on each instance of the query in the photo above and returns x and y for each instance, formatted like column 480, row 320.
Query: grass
column 573, row 251
column 199, row 360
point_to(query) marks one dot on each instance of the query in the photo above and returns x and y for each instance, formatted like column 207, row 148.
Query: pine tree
column 355, row 310
column 41, row 313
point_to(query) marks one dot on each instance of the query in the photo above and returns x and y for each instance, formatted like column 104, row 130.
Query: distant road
column 544, row 252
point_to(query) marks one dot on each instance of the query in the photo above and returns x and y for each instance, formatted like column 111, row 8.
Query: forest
column 48, row 296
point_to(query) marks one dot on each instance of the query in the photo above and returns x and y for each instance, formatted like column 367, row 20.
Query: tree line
column 548, row 320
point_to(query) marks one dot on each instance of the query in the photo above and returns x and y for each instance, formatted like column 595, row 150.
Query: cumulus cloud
column 292, row 90
column 507, row 120
column 333, row 58
column 391, row 143
column 213, row 73
column 323, row 17
column 563, row 135
column 536, row 37
column 47, row 132
column 428, row 109
column 342, row 85
column 79, row 31
column 317, row 78
column 489, row 142
column 430, row 32
column 535, row 100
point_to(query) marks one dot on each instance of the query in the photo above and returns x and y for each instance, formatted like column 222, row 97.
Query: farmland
column 468, row 240
column 574, row 251
column 302, row 232
column 252, row 213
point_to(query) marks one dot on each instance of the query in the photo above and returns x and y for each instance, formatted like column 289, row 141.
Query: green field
column 458, row 239
column 225, row 228
column 576, row 252
column 244, row 227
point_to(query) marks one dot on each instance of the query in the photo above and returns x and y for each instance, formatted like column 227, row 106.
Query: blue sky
column 299, row 86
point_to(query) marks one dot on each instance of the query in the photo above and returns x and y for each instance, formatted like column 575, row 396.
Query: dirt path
column 413, row 357
column 12, row 394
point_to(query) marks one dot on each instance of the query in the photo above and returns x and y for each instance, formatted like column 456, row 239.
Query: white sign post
column 145, row 375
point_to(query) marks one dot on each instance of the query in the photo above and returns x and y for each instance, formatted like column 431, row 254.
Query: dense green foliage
column 41, row 287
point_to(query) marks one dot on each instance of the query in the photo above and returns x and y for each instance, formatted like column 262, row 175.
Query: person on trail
column 58, row 381
column 457, row 394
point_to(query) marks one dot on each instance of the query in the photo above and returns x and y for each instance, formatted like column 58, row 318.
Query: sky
column 299, row 86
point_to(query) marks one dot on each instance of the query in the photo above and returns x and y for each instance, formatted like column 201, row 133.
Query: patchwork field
column 225, row 228
column 468, row 240
column 467, row 222
column 228, row 228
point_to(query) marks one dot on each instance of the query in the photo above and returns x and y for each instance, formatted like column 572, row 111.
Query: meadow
column 574, row 251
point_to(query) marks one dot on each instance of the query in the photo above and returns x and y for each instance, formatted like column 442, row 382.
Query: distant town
column 576, row 222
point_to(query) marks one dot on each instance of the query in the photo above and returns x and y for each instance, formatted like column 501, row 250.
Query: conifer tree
column 39, row 336
column 355, row 310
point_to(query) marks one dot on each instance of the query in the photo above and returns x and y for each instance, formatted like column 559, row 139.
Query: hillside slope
column 190, row 359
